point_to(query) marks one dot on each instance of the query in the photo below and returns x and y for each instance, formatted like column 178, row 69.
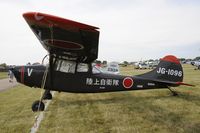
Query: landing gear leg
column 174, row 93
column 47, row 95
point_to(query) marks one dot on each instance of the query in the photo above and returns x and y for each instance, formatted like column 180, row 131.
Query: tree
column 104, row 62
column 181, row 59
column 3, row 65
column 125, row 62
column 150, row 60
column 197, row 58
column 97, row 61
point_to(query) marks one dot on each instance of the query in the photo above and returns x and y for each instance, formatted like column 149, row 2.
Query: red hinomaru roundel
column 128, row 82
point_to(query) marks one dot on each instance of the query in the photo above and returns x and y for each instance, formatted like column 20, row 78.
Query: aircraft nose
column 18, row 72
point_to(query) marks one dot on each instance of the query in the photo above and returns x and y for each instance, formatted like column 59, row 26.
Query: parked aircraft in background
column 146, row 64
column 111, row 68
column 196, row 64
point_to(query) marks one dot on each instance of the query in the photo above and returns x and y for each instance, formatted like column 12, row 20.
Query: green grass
column 121, row 112
column 15, row 109
column 3, row 75
column 136, row 111
column 131, row 71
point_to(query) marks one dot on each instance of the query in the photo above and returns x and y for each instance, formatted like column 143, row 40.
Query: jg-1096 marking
column 172, row 72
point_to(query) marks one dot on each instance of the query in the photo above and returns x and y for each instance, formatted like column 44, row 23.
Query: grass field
column 3, row 75
column 121, row 112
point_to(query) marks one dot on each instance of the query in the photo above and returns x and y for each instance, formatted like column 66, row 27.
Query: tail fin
column 169, row 70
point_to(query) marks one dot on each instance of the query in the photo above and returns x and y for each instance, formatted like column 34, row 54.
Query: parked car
column 143, row 66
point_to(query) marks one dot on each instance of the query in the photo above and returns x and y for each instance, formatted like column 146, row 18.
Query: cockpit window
column 70, row 67
column 96, row 70
column 82, row 67
column 65, row 66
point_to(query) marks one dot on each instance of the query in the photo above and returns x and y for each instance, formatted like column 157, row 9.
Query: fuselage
column 81, row 82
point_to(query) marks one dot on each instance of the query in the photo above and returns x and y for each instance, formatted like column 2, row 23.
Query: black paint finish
column 88, row 82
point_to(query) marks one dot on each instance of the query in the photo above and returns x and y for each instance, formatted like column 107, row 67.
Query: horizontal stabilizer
column 181, row 83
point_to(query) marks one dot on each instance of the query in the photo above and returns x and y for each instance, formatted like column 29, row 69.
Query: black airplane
column 72, row 47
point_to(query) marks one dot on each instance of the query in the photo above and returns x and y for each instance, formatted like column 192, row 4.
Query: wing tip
column 39, row 16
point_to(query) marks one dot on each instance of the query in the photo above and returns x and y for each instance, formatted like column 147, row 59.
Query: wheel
column 38, row 106
column 47, row 96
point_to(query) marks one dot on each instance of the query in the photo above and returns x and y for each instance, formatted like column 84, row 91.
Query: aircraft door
column 69, row 74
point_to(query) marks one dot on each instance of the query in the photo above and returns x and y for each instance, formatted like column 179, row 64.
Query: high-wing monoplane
column 72, row 47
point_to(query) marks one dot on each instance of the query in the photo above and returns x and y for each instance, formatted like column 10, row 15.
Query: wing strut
column 51, row 57
column 39, row 105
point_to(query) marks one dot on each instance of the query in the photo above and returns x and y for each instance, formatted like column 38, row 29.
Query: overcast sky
column 130, row 30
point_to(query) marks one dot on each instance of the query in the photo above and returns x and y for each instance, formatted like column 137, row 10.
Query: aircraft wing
column 63, row 37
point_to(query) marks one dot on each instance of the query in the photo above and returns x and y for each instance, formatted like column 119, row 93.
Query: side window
column 95, row 70
column 65, row 66
column 82, row 67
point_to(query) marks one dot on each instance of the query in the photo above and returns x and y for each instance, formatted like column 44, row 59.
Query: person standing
column 11, row 75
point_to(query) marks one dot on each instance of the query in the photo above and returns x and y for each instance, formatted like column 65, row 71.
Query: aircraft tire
column 38, row 106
